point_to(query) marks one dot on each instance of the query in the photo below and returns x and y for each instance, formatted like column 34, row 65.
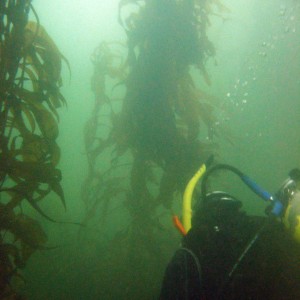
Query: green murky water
column 256, row 76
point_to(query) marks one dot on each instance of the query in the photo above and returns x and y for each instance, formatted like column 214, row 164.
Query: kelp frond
column 30, row 81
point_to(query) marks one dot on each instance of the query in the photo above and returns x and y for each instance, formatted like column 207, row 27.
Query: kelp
column 149, row 144
column 30, row 67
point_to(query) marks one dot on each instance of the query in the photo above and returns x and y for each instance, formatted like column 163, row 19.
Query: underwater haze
column 255, row 75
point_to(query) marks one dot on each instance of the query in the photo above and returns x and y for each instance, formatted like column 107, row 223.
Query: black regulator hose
column 265, row 195
column 212, row 170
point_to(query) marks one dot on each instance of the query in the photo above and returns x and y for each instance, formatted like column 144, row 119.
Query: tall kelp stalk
column 30, row 67
column 142, row 152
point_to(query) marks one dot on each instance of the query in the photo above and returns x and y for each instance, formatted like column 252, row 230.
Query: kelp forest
column 30, row 67
column 151, row 128
column 89, row 190
column 152, row 125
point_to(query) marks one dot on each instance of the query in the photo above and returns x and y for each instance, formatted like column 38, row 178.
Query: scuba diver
column 226, row 254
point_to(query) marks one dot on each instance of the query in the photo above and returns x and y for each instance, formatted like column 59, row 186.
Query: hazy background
column 256, row 76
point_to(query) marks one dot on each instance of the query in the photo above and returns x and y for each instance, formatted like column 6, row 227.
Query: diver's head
column 218, row 209
column 289, row 195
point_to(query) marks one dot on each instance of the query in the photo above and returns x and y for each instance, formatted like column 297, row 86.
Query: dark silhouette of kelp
column 143, row 149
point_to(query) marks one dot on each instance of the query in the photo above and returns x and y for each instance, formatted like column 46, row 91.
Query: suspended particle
column 282, row 10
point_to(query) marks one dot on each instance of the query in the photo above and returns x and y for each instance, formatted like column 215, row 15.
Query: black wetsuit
column 202, row 268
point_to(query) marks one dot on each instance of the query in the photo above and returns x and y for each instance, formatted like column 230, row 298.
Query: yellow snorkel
column 187, row 199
